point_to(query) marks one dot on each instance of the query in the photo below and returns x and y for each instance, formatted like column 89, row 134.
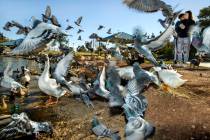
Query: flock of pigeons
column 108, row 83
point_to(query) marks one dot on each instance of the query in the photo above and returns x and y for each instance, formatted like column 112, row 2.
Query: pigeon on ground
column 138, row 129
column 100, row 130
column 78, row 21
column 21, row 125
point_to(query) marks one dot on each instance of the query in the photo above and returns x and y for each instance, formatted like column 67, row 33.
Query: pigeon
column 54, row 21
column 101, row 130
column 48, row 85
column 100, row 27
column 150, row 6
column 21, row 125
column 36, row 40
column 109, row 31
column 62, row 69
column 200, row 40
column 136, row 105
column 12, row 43
column 79, row 38
column 138, row 129
column 79, row 31
column 21, row 28
column 69, row 27
column 47, row 15
column 113, row 85
column 99, row 85
column 78, row 21
column 126, row 73
column 155, row 44
column 117, row 54
column 7, row 26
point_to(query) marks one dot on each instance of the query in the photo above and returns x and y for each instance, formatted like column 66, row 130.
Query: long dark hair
column 190, row 15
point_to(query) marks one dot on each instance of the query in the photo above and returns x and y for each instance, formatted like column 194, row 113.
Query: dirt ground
column 175, row 117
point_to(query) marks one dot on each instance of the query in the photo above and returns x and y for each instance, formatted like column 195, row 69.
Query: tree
column 204, row 17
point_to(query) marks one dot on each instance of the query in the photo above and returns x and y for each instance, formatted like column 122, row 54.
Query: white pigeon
column 7, row 81
column 48, row 85
column 169, row 77
column 36, row 40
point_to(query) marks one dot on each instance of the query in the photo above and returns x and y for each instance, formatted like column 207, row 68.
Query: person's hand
column 182, row 26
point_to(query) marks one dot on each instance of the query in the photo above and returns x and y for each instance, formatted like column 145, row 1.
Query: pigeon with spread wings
column 40, row 35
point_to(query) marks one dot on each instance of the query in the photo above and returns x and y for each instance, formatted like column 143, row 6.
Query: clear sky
column 110, row 13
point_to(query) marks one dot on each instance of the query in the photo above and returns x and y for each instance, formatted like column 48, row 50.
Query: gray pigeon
column 100, row 27
column 47, row 15
column 113, row 85
column 78, row 21
column 79, row 31
column 21, row 125
column 79, row 38
column 7, row 26
column 138, row 129
column 150, row 6
column 101, row 130
column 36, row 40
column 109, row 31
column 69, row 27
column 61, row 70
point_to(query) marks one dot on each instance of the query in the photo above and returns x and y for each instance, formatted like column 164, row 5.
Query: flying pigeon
column 78, row 21
column 100, row 27
column 47, row 15
column 99, row 85
column 12, row 43
column 61, row 70
column 54, row 21
column 79, row 38
column 100, row 130
column 109, row 31
column 116, row 53
column 113, row 85
column 69, row 27
column 22, row 125
column 201, row 40
column 138, row 129
column 155, row 44
column 36, row 40
column 150, row 6
column 7, row 26
column 79, row 31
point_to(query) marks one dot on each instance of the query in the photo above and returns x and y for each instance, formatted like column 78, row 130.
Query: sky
column 110, row 13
